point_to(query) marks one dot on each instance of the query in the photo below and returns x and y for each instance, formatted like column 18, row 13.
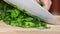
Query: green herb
column 41, row 3
column 19, row 18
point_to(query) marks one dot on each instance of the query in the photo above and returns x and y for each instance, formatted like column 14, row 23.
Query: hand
column 47, row 3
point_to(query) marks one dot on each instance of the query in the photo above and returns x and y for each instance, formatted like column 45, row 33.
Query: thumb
column 47, row 4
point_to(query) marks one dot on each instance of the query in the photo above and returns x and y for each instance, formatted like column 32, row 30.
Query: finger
column 47, row 4
column 44, row 1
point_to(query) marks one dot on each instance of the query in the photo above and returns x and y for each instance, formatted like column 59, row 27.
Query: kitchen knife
column 34, row 9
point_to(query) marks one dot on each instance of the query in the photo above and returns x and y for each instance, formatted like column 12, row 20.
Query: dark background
column 55, row 8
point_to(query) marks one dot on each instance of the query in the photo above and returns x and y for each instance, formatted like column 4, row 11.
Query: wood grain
column 7, row 29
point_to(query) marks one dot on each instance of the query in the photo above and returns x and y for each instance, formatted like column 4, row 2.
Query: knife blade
column 34, row 9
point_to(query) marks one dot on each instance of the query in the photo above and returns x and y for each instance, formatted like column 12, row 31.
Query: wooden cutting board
column 7, row 29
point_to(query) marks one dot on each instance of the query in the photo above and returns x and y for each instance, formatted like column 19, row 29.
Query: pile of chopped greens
column 15, row 17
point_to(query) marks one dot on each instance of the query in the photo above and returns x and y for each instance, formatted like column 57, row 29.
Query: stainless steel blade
column 34, row 9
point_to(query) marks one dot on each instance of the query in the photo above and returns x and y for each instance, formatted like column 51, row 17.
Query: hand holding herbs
column 15, row 17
